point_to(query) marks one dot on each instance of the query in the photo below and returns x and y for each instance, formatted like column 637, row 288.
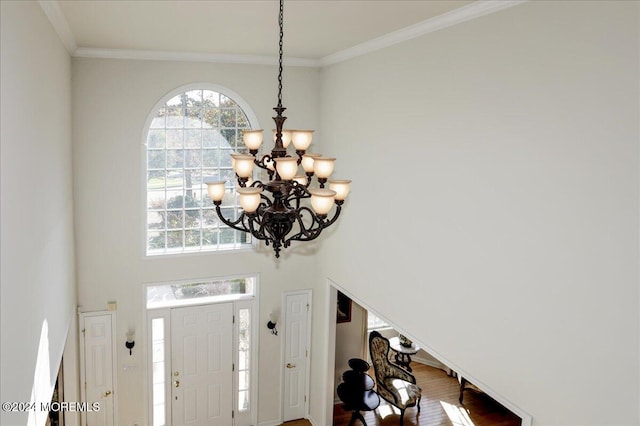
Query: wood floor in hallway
column 439, row 406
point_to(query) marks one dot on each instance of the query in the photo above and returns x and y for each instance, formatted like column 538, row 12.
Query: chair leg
column 401, row 417
column 463, row 382
column 419, row 399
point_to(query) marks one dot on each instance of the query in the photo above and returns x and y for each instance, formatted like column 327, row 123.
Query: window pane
column 155, row 220
column 156, row 138
column 243, row 380
column 193, row 158
column 210, row 138
column 158, row 371
column 193, row 138
column 175, row 159
column 210, row 237
column 192, row 238
column 175, row 138
column 243, row 400
column 243, row 360
column 158, row 122
column 164, row 295
column 244, row 345
column 175, row 239
column 156, row 240
column 156, row 159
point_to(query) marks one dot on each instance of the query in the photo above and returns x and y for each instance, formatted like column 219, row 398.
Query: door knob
column 176, row 383
column 106, row 394
column 289, row 365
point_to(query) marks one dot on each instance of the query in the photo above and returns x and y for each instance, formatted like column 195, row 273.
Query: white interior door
column 296, row 355
column 98, row 368
column 202, row 362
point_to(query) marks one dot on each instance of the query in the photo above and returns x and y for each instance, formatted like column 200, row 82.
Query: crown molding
column 51, row 8
column 457, row 16
column 158, row 55
column 474, row 10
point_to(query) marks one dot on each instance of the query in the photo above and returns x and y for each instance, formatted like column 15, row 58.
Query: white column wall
column 111, row 102
column 37, row 267
column 494, row 206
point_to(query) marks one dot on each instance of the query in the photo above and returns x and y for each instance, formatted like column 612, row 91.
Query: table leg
column 404, row 360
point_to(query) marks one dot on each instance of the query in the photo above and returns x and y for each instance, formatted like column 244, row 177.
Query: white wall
column 111, row 102
column 494, row 210
column 37, row 266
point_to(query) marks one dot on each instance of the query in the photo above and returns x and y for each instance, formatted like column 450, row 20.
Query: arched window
column 189, row 141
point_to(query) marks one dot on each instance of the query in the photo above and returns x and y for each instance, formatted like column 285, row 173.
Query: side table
column 403, row 353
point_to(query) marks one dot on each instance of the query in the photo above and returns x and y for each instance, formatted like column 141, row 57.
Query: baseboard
column 313, row 422
column 430, row 363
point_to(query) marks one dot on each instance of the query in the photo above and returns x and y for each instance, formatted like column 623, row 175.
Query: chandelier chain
column 281, row 22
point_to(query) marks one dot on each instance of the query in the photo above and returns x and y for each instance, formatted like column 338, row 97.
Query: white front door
column 97, row 354
column 297, row 311
column 202, row 362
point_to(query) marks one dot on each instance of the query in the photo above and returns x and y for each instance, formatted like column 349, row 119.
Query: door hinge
column 233, row 367
column 307, row 307
column 233, row 319
column 233, row 414
column 83, row 330
column 305, row 398
column 306, row 353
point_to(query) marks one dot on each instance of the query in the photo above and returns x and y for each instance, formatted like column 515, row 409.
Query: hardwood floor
column 301, row 422
column 439, row 406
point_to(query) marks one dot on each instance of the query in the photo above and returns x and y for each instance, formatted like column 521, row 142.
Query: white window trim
column 254, row 123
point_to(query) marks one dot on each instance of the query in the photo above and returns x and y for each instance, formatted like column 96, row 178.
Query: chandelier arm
column 311, row 232
column 297, row 192
column 262, row 162
column 336, row 214
column 267, row 203
column 306, row 233
column 230, row 223
column 257, row 234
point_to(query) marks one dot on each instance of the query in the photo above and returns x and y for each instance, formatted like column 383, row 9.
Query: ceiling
column 314, row 29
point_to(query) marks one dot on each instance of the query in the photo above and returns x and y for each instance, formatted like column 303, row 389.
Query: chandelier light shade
column 289, row 207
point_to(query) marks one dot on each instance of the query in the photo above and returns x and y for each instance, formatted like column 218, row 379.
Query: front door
column 202, row 362
column 297, row 311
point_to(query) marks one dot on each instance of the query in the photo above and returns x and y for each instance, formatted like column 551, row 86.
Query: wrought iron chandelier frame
column 276, row 216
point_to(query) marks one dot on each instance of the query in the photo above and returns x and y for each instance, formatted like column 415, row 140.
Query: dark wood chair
column 393, row 383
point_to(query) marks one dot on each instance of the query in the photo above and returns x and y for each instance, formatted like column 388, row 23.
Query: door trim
column 114, row 361
column 283, row 321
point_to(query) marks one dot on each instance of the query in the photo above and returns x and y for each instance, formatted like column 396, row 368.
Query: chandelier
column 278, row 211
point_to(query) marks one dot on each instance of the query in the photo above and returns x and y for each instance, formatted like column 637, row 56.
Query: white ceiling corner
column 59, row 22
column 448, row 19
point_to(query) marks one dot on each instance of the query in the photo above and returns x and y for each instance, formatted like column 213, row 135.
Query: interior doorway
column 477, row 408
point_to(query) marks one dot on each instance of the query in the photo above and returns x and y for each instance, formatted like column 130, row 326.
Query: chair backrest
column 379, row 351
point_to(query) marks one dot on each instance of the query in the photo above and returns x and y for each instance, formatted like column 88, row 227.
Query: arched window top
column 190, row 136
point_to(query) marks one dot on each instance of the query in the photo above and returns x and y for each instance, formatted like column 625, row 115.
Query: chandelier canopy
column 277, row 212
